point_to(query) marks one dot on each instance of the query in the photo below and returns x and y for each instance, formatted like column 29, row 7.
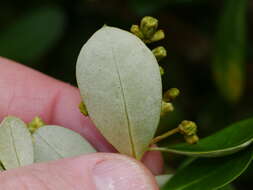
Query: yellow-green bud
column 161, row 71
column 159, row 35
column 188, row 128
column 166, row 108
column 192, row 139
column 36, row 123
column 83, row 109
column 135, row 29
column 159, row 52
column 171, row 94
column 148, row 26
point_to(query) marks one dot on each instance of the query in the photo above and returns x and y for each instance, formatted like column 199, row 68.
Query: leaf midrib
column 52, row 147
column 124, row 104
column 194, row 152
column 14, row 146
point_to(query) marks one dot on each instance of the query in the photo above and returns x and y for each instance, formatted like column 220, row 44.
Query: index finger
column 27, row 93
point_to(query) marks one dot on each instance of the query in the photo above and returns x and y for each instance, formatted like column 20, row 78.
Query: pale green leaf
column 227, row 141
column 120, row 84
column 16, row 148
column 54, row 142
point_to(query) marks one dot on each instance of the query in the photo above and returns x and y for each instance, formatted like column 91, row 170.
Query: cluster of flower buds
column 147, row 31
column 187, row 128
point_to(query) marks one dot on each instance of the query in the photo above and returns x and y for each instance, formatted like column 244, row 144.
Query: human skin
column 27, row 93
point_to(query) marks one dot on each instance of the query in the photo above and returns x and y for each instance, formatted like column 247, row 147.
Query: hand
column 26, row 93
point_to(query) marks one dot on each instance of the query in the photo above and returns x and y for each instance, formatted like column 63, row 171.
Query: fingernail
column 119, row 174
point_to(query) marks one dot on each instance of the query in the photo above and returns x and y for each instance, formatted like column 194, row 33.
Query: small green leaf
column 229, row 56
column 32, row 35
column 227, row 141
column 54, row 142
column 120, row 83
column 210, row 173
column 16, row 148
column 163, row 179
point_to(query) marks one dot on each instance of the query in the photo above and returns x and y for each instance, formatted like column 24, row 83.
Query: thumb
column 97, row 171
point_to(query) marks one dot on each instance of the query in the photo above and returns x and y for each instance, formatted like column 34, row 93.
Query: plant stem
column 165, row 135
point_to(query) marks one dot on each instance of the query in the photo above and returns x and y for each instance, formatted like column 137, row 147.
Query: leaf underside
column 120, row 83
column 16, row 148
column 54, row 142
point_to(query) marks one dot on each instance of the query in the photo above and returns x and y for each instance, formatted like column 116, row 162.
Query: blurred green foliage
column 32, row 35
column 229, row 55
column 203, row 37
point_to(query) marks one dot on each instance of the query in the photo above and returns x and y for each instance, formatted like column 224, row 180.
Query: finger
column 154, row 161
column 27, row 93
column 94, row 172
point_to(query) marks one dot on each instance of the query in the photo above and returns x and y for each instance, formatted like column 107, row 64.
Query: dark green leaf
column 227, row 141
column 186, row 162
column 32, row 35
column 229, row 56
column 227, row 187
column 210, row 173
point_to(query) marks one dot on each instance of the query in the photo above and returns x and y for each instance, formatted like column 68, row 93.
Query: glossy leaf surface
column 227, row 141
column 210, row 173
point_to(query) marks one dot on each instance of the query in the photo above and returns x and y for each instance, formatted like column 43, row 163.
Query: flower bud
column 159, row 52
column 166, row 108
column 159, row 35
column 192, row 139
column 161, row 70
column 83, row 109
column 171, row 94
column 135, row 29
column 36, row 123
column 149, row 26
column 188, row 128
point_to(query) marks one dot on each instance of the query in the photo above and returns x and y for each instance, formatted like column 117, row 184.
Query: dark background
column 208, row 42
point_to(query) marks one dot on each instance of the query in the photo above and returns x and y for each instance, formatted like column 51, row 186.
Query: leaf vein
column 124, row 104
column 14, row 146
column 44, row 140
